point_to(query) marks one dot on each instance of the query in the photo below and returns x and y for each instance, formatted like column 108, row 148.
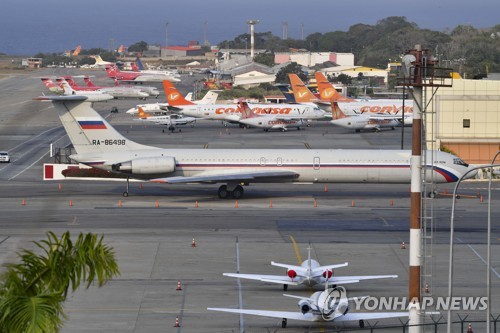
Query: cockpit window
column 460, row 162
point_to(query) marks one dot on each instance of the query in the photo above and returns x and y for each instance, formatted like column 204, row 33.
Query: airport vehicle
column 329, row 305
column 231, row 112
column 365, row 121
column 267, row 121
column 171, row 120
column 150, row 91
column 96, row 96
column 310, row 273
column 116, row 92
column 4, row 157
column 113, row 71
column 99, row 145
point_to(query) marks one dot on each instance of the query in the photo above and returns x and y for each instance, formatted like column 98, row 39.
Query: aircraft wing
column 271, row 314
column 356, row 279
column 281, row 279
column 223, row 176
column 370, row 315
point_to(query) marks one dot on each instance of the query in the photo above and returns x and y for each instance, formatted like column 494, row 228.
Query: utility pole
column 205, row 41
column 302, row 30
column 166, row 34
column 285, row 30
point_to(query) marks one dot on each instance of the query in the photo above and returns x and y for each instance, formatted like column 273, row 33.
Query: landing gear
column 361, row 324
column 266, row 129
column 125, row 194
column 223, row 193
column 357, row 131
column 283, row 323
column 236, row 193
column 285, row 287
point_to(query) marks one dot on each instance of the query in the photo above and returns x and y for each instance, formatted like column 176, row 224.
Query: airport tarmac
column 152, row 229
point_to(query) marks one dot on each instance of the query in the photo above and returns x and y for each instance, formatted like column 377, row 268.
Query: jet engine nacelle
column 147, row 165
column 291, row 273
column 304, row 306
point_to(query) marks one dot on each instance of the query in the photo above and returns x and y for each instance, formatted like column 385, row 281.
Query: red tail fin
column 111, row 71
column 134, row 67
column 245, row 110
column 301, row 93
column 326, row 90
column 88, row 82
column 174, row 97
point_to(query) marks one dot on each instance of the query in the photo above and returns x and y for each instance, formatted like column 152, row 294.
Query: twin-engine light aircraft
column 309, row 273
column 99, row 145
column 329, row 305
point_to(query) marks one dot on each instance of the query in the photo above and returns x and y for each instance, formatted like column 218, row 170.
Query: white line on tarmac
column 484, row 261
column 33, row 138
column 18, row 103
column 240, row 296
column 28, row 166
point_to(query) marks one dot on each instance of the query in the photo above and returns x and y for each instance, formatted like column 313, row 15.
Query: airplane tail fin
column 301, row 93
column 326, row 90
column 134, row 67
column 141, row 114
column 111, row 71
column 139, row 63
column 285, row 90
column 88, row 82
column 52, row 86
column 76, row 52
column 210, row 97
column 245, row 110
column 88, row 131
column 174, row 97
column 67, row 90
column 337, row 112
column 70, row 80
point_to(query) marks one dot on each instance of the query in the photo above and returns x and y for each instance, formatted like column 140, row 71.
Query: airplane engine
column 147, row 165
column 291, row 273
column 304, row 306
column 328, row 274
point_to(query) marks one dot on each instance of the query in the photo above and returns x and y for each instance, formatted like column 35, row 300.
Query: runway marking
column 28, row 166
column 3, row 240
column 484, row 261
column 18, row 103
column 386, row 224
column 33, row 138
column 240, row 296
column 296, row 248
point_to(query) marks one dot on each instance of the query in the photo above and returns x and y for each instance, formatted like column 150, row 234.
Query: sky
column 33, row 26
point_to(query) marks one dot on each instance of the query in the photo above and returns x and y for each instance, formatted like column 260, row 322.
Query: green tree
column 265, row 59
column 138, row 47
column 33, row 291
column 282, row 75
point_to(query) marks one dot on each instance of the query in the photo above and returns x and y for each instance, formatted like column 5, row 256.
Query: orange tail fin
column 336, row 112
column 301, row 93
column 174, row 97
column 327, row 91
column 141, row 114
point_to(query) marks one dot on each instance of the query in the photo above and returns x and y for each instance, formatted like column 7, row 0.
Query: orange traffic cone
column 193, row 243
column 140, row 186
column 236, row 204
column 353, row 204
column 391, row 202
column 23, row 202
column 157, row 204
column 403, row 246
column 426, row 289
column 196, row 204
column 70, row 203
column 469, row 329
column 325, row 189
column 177, row 322
column 59, row 186
column 315, row 203
column 179, row 287
column 270, row 204
column 119, row 203
column 480, row 198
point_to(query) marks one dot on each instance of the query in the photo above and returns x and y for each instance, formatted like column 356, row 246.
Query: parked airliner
column 99, row 145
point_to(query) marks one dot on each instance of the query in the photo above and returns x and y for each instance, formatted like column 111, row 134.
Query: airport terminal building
column 467, row 119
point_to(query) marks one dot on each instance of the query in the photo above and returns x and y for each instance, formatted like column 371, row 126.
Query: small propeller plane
column 309, row 273
column 329, row 305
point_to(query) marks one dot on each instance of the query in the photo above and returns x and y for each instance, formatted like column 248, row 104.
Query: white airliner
column 267, row 121
column 96, row 96
column 171, row 120
column 309, row 273
column 99, row 145
column 209, row 98
column 329, row 305
column 231, row 112
column 365, row 121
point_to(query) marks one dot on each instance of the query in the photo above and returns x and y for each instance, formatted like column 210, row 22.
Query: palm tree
column 32, row 292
